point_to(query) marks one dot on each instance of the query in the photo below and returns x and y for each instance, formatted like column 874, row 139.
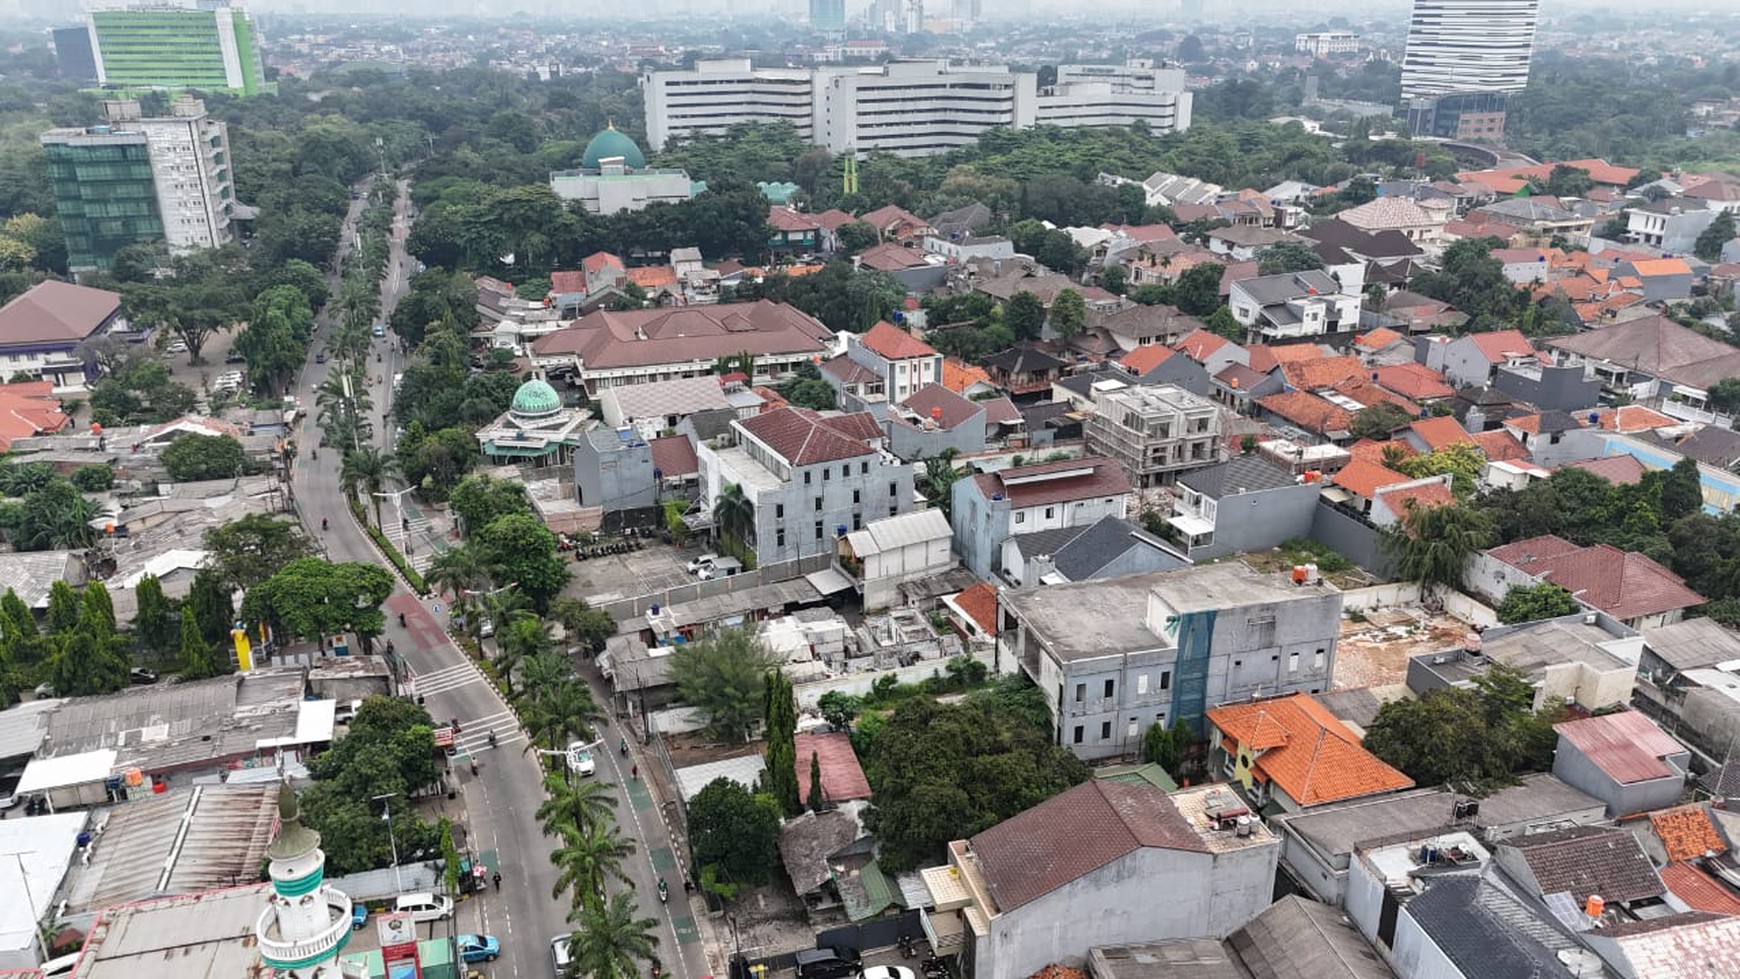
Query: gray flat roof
column 1693, row 644
column 205, row 934
column 1542, row 644
column 22, row 727
column 1089, row 619
column 1229, row 585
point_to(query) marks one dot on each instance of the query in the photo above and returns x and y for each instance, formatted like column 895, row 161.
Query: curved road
column 502, row 798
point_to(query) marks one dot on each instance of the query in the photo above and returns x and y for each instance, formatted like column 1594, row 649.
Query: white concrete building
column 191, row 165
column 894, row 550
column 918, row 108
column 1469, row 46
column 1324, row 44
column 1116, row 95
column 718, row 94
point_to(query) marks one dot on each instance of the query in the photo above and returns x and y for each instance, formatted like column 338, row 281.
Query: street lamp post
column 387, row 814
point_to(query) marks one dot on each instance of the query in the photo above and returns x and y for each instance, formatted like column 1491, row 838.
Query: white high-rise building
column 1087, row 96
column 1457, row 46
column 719, row 94
column 918, row 108
column 190, row 163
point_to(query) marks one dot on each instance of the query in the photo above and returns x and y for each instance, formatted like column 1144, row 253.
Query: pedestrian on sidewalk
column 636, row 772
column 497, row 879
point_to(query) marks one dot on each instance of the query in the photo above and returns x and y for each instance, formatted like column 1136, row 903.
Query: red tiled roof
column 1372, row 451
column 890, row 257
column 1699, row 890
column 599, row 261
column 958, row 375
column 1619, row 470
column 1632, row 418
column 1624, row 584
column 939, row 404
column 1362, row 478
column 674, row 455
column 980, row 604
column 1509, row 180
column 56, row 312
column 784, row 219
column 833, row 219
column 1661, row 266
column 1524, row 553
column 1687, row 833
column 1308, row 411
column 653, row 276
column 1071, row 835
column 1439, row 432
column 1306, row 750
column 1501, row 345
column 1626, row 745
column 1500, row 446
column 1368, row 394
column 1265, row 358
column 567, row 282
column 1400, row 501
column 1146, row 357
column 1320, row 371
column 893, row 343
column 859, row 425
column 894, row 220
column 607, row 339
column 1377, row 339
column 1056, row 482
column 1199, row 344
column 801, row 438
column 842, row 777
column 1001, row 411
column 1416, row 381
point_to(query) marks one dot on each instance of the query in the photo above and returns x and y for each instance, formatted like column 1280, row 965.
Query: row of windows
column 857, row 524
column 1111, row 687
column 845, row 473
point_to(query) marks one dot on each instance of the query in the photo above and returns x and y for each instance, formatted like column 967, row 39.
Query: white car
column 424, row 907
column 704, row 561
column 559, row 954
column 888, row 972
column 486, row 629
column 580, row 760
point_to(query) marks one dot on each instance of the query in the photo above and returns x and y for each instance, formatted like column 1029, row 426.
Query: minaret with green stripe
column 307, row 923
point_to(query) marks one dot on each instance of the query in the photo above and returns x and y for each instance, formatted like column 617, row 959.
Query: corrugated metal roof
column 892, row 533
column 1626, row 745
column 144, row 852
column 22, row 727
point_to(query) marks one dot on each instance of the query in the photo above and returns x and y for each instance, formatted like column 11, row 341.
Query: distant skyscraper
column 178, row 47
column 1464, row 57
column 828, row 15
column 72, row 54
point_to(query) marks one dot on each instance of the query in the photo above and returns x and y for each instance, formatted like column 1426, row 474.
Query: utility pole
column 387, row 814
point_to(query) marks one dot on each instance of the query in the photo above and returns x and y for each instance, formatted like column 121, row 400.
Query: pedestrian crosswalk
column 445, row 679
column 474, row 734
column 416, row 529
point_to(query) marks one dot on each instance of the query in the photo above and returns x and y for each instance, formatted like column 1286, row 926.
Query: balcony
column 276, row 949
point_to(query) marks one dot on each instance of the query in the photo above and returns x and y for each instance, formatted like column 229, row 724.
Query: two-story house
column 988, row 508
column 1292, row 305
column 794, row 232
column 1291, row 752
column 1114, row 657
column 808, row 479
column 1023, row 369
column 1474, row 360
column 885, row 365
column 1155, row 433
column 1243, row 504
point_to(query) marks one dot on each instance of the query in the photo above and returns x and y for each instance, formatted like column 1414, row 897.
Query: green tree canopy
column 522, row 551
column 1378, row 421
column 192, row 457
column 315, row 598
column 247, row 551
column 1472, row 738
column 721, row 676
column 1528, row 603
column 735, row 832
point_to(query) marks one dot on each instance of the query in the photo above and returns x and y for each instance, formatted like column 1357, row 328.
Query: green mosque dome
column 535, row 399
column 611, row 143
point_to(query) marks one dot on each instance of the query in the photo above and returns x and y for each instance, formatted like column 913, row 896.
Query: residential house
column 42, row 329
column 935, row 421
column 1241, row 505
column 1543, row 220
column 1664, row 279
column 606, row 349
column 1472, row 360
column 1105, row 843
column 661, row 406
column 676, row 467
column 1355, row 256
column 1383, row 495
column 1454, row 921
column 1568, row 660
column 899, row 362
column 1689, row 682
column 967, row 380
column 1420, row 314
column 1290, row 752
column 794, row 232
column 1623, row 584
column 890, row 257
column 1507, row 181
column 1308, row 415
column 823, row 852
column 1214, row 352
column 1654, row 361
column 1157, row 364
column 987, row 247
column 1239, row 387
column 1293, row 305
column 1583, row 862
column 1624, row 760
column 1293, row 933
column 1155, row 433
column 1120, row 655
column 963, row 222
column 1024, row 369
column 1109, row 548
column 808, row 479
column 832, row 220
column 1170, row 189
column 989, row 508
column 1049, row 423
column 1243, row 242
column 897, row 224
column 1539, row 432
column 29, row 409
column 1420, row 222
column 891, row 551
column 1671, row 224
column 613, row 470
column 1681, row 946
column 1416, row 382
column 1137, row 325
column 1549, row 387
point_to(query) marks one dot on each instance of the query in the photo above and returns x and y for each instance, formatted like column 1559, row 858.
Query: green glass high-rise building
column 171, row 47
column 104, row 192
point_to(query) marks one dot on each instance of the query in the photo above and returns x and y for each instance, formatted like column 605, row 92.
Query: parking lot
column 655, row 569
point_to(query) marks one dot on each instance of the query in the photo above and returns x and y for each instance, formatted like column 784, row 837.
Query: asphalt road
column 504, row 795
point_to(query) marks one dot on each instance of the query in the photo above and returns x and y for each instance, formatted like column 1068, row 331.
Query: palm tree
column 366, row 470
column 939, row 476
column 734, row 515
column 562, row 711
column 574, row 805
column 587, row 856
column 521, row 637
column 609, row 941
column 461, row 570
column 1431, row 545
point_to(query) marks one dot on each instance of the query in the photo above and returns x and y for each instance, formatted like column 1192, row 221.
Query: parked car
column 478, row 948
column 486, row 629
column 359, row 916
column 10, row 802
column 704, row 561
column 580, row 760
column 885, row 972
column 320, row 357
column 834, row 962
column 44, row 690
column 140, row 677
column 176, row 347
column 235, row 358
column 725, row 567
column 559, row 956
column 424, row 907
column 380, row 331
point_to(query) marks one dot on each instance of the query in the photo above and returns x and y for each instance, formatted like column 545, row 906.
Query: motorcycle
column 624, row 747
column 322, row 523
column 401, row 620
column 907, row 950
column 492, row 739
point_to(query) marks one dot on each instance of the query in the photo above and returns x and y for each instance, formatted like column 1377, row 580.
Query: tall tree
column 574, row 805
column 1068, row 313
column 63, row 609
column 818, row 798
column 246, row 552
column 197, row 661
column 1024, row 315
column 213, row 607
column 365, row 472
column 609, row 941
column 735, row 832
column 154, row 618
column 588, row 856
column 1432, row 545
column 780, row 776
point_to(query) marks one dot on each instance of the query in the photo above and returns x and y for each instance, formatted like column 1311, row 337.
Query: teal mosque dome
column 535, row 399
column 611, row 143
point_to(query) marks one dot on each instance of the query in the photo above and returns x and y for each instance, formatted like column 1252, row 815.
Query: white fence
column 1408, row 593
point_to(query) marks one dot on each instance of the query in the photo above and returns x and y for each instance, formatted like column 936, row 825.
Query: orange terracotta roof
column 1373, row 451
column 1509, row 180
column 653, row 276
column 1416, row 381
column 1368, row 394
column 1147, row 357
column 1632, row 418
column 1499, row 445
column 893, row 343
column 1425, row 495
column 1377, row 339
column 27, row 409
column 1687, row 833
column 958, row 375
column 980, row 604
column 1439, row 432
column 1308, row 411
column 1501, row 345
column 1662, row 266
column 1199, row 344
column 1320, row 371
column 1265, row 358
column 1309, row 753
column 1699, row 890
column 1362, row 478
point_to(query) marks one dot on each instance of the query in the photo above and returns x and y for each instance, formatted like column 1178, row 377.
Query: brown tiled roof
column 1362, row 478
column 1377, row 339
column 1620, row 470
column 892, row 219
column 1659, row 347
column 848, row 371
column 56, row 312
column 1500, row 446
column 1632, row 418
column 1501, row 345
column 1265, row 357
column 980, row 604
column 1400, row 501
column 1200, row 344
column 1306, row 750
column 859, row 425
column 1627, row 746
column 1687, row 833
column 1624, row 584
column 607, row 339
column 1320, row 372
column 1000, row 411
column 785, row 219
column 653, row 276
column 1368, row 394
column 939, row 404
column 1068, row 836
column 1103, row 478
column 1415, row 381
column 1308, row 411
column 599, row 261
column 834, row 218
column 890, row 257
column 1699, row 890
column 800, row 437
column 1585, row 860
column 1238, row 376
column 567, row 281
column 1440, row 432
column 1372, row 451
column 893, row 343
column 674, row 455
column 842, row 777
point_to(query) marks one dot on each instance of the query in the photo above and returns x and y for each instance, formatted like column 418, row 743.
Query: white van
column 424, row 907
column 559, row 954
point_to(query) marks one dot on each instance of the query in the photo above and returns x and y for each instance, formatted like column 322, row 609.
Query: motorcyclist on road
column 624, row 747
column 322, row 523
